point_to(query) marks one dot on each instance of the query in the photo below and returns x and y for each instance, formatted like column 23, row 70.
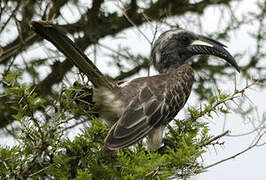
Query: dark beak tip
column 238, row 69
column 233, row 63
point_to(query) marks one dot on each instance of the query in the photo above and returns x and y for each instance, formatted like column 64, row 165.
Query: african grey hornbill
column 143, row 106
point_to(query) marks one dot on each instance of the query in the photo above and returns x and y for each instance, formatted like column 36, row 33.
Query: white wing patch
column 108, row 98
column 111, row 106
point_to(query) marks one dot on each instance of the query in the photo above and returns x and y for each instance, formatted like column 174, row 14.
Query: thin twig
column 131, row 22
column 235, row 155
column 41, row 170
column 214, row 138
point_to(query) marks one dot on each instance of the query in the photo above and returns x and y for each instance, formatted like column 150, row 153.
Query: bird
column 142, row 107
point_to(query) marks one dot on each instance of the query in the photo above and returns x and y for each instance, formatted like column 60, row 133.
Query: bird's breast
column 168, row 91
column 177, row 91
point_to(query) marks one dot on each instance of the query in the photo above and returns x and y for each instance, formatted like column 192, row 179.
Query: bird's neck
column 176, row 67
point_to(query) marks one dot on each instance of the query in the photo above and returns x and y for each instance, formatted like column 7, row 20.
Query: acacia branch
column 214, row 138
column 235, row 155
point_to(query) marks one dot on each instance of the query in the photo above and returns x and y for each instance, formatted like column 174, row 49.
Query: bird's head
column 174, row 47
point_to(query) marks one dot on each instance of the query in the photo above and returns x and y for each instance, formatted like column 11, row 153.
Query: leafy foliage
column 44, row 150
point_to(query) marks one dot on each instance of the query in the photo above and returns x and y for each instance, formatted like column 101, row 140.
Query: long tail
column 53, row 34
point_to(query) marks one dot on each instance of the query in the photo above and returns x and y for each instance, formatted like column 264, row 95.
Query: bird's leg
column 155, row 138
column 168, row 142
column 155, row 141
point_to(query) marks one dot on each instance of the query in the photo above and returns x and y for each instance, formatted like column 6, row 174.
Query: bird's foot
column 167, row 143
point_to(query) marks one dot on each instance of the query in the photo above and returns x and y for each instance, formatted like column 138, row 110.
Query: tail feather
column 106, row 152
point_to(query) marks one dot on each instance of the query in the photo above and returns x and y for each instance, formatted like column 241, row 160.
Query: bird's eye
column 185, row 40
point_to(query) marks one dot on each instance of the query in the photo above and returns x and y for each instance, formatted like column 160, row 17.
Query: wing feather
column 156, row 102
column 136, row 122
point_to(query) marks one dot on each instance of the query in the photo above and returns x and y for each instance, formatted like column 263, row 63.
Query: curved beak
column 205, row 45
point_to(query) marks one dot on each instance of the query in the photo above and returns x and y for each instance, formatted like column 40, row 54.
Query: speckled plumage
column 147, row 103
column 143, row 106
